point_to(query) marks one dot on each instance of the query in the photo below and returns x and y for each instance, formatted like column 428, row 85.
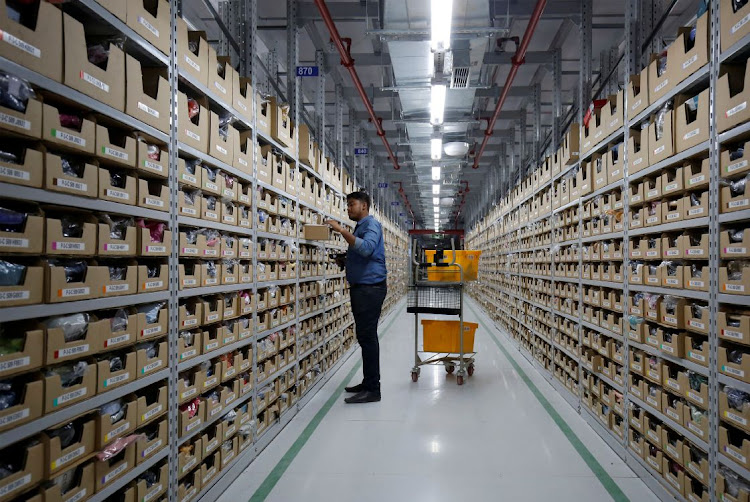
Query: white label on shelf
column 229, row 219
column 15, row 364
column 695, row 211
column 697, row 357
column 742, row 22
column 696, row 283
column 117, row 194
column 20, row 44
column 210, row 252
column 15, row 121
column 190, row 251
column 673, row 414
column 660, row 150
column 673, row 216
column 144, row 22
column 153, row 284
column 689, row 62
column 17, row 174
column 69, row 138
column 188, row 353
column 696, row 324
column 652, row 193
column 695, row 396
column 653, row 402
column 152, row 413
column 153, row 166
column 653, row 462
column 695, row 252
column 736, row 109
column 637, row 161
column 188, row 393
column 14, row 417
column 153, row 493
column 667, row 348
column 190, row 211
column 736, row 166
column 695, row 429
column 222, row 150
column 149, row 201
column 151, row 331
column 190, row 322
column 636, row 104
column 211, row 186
column 117, row 247
column 734, row 287
column 735, row 417
column 151, row 449
column 15, row 485
column 9, row 242
column 156, row 249
column 694, row 132
column 733, row 371
column 94, row 81
column 212, row 346
column 212, row 317
column 669, row 319
column 672, row 451
column 671, row 186
column 71, row 185
column 70, row 396
column 228, row 192
column 116, row 288
column 151, row 367
column 672, row 282
column 192, row 135
column 114, row 432
column 116, row 379
column 189, row 178
column 652, row 219
column 72, row 351
column 230, row 279
column 68, row 246
column 739, row 203
column 242, row 161
column 145, row 108
column 730, row 333
column 68, row 292
column 211, row 381
column 732, row 453
column 735, row 250
column 212, row 215
column 192, row 63
column 216, row 411
column 211, row 282
column 115, row 472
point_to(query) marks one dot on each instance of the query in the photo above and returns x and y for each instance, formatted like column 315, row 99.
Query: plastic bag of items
column 662, row 113
column 737, row 187
column 118, row 225
column 75, row 271
column 151, row 310
column 116, row 446
column 156, row 229
column 74, row 326
column 70, row 374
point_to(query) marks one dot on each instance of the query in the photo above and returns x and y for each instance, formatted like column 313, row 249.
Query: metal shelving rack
column 241, row 16
column 707, row 77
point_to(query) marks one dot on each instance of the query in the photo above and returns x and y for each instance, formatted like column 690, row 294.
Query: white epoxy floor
column 435, row 441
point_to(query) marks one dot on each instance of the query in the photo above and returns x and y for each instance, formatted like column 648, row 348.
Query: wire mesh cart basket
column 436, row 287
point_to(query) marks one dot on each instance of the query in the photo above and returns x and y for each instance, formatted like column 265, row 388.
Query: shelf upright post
column 320, row 102
column 632, row 65
column 173, row 261
column 339, row 126
column 250, row 9
column 713, row 231
column 556, row 98
column 524, row 144
column 537, row 141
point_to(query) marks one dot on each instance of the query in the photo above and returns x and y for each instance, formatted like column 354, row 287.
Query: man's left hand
column 335, row 225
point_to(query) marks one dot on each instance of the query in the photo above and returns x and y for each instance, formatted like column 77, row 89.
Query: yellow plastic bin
column 444, row 336
column 468, row 259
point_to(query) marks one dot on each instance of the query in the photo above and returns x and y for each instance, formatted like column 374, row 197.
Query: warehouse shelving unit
column 629, row 374
column 317, row 338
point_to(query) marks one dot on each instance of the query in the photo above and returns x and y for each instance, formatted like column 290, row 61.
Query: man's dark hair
column 362, row 196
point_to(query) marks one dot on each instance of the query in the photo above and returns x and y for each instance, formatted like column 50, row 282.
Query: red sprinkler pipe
column 518, row 59
column 348, row 62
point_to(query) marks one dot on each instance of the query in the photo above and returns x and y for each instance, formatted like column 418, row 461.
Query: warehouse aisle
column 434, row 441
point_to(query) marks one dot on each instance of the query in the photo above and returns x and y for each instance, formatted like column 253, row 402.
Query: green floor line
column 602, row 475
column 282, row 465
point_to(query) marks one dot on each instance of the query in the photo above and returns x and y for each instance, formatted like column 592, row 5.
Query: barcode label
column 222, row 150
column 9, row 242
column 149, row 201
column 109, row 382
column 14, row 417
column 661, row 86
column 17, row 174
column 15, row 121
column 94, row 81
column 732, row 371
column 694, row 132
column 148, row 26
column 728, row 333
column 117, row 247
column 116, row 288
column 15, row 485
column 192, row 63
column 192, row 135
column 152, row 413
column 156, row 249
column 189, row 179
column 153, row 284
column 116, row 340
column 70, row 396
column 68, row 246
column 151, row 367
column 68, row 292
column 20, row 44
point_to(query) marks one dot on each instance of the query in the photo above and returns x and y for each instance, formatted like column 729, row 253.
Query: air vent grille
column 460, row 77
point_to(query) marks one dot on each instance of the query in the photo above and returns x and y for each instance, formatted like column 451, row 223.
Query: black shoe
column 356, row 389
column 365, row 396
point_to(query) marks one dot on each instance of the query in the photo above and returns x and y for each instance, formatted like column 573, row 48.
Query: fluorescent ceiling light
column 436, row 201
column 436, row 189
column 436, row 148
column 436, row 173
column 437, row 104
column 441, row 14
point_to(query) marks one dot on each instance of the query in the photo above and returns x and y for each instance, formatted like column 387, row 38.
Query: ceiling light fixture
column 441, row 17
column 436, row 148
column 436, row 173
column 435, row 189
column 436, row 201
column 437, row 104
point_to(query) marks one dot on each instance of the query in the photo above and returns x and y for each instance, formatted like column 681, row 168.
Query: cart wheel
column 460, row 380
column 470, row 369
column 414, row 376
column 450, row 369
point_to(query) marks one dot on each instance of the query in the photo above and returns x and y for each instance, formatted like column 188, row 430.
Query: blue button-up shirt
column 365, row 259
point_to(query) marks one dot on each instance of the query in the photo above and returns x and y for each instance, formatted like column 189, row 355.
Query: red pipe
column 518, row 59
column 348, row 62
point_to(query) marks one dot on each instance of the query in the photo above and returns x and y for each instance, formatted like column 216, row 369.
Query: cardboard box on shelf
column 696, row 349
column 190, row 485
column 266, row 164
column 697, row 277
column 638, row 150
column 105, row 83
column 153, row 194
column 307, row 147
column 734, row 325
column 740, row 371
column 737, row 417
column 108, row 380
column 59, row 289
column 30, row 470
column 27, row 124
column 194, row 64
column 672, row 180
column 191, row 276
column 615, row 170
column 221, row 147
column 82, row 486
column 56, row 396
column 108, row 471
column 146, row 93
column 734, row 198
column 221, row 77
column 194, row 132
column 691, row 120
column 570, row 146
column 29, row 406
column 58, row 350
column 263, row 114
column 638, row 98
column 661, row 146
column 281, row 168
column 281, row 122
column 77, row 141
column 107, row 431
column 153, row 278
column 146, row 365
column 732, row 92
column 38, row 47
column 733, row 445
column 189, row 173
column 733, row 23
column 242, row 96
column 126, row 194
column 153, row 160
column 150, row 245
column 612, row 114
column 317, row 232
column 26, row 171
column 150, row 19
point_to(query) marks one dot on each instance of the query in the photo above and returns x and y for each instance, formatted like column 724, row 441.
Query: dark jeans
column 367, row 301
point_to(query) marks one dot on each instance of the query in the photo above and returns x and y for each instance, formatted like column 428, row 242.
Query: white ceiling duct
column 456, row 148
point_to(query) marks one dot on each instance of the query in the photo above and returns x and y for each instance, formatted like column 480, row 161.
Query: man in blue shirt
column 366, row 273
